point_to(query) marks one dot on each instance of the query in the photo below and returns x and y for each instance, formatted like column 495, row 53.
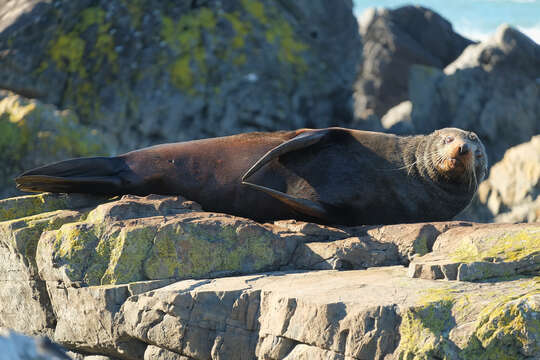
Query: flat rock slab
column 481, row 251
column 361, row 314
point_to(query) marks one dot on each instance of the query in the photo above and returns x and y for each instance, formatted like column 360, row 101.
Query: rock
column 511, row 192
column 170, row 71
column 33, row 133
column 371, row 246
column 134, row 239
column 25, row 302
column 156, row 353
column 481, row 252
column 393, row 41
column 492, row 89
column 25, row 206
column 20, row 347
column 398, row 118
column 103, row 281
column 362, row 314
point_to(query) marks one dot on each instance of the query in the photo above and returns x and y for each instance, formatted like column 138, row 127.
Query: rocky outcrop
column 511, row 193
column 486, row 251
column 107, row 280
column 147, row 72
column 492, row 89
column 393, row 41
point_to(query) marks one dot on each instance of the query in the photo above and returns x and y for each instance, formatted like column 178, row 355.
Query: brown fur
column 352, row 177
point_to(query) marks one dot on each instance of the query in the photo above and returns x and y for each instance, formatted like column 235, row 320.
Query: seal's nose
column 464, row 149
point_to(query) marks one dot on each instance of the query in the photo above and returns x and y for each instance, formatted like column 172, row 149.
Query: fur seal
column 331, row 176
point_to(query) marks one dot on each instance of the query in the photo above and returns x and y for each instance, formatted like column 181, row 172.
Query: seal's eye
column 473, row 136
column 448, row 139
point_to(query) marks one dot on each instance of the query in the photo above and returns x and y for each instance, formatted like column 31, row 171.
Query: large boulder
column 393, row 41
column 492, row 88
column 148, row 72
column 103, row 278
column 511, row 193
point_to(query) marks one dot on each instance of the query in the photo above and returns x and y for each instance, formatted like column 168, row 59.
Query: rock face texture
column 148, row 72
column 393, row 41
column 492, row 89
column 511, row 192
column 159, row 278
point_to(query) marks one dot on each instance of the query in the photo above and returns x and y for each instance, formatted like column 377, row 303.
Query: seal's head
column 460, row 156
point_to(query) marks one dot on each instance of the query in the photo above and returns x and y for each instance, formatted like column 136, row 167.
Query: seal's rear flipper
column 301, row 141
column 92, row 185
column 303, row 206
column 97, row 175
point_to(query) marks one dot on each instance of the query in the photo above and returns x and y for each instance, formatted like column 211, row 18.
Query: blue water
column 475, row 19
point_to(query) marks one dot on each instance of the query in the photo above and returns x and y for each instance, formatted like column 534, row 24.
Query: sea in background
column 475, row 19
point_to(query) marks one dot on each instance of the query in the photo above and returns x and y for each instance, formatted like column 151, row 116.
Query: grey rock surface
column 481, row 252
column 492, row 89
column 393, row 41
column 149, row 72
column 103, row 281
column 511, row 192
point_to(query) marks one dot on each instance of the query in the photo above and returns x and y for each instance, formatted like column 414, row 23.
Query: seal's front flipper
column 304, row 206
column 301, row 141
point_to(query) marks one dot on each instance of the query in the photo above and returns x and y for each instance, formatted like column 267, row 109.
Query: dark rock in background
column 493, row 88
column 393, row 41
column 149, row 72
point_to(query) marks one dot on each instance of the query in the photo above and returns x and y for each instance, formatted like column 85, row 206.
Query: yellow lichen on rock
column 192, row 249
column 128, row 250
column 194, row 38
column 24, row 206
column 514, row 246
column 505, row 327
column 81, row 59
column 424, row 328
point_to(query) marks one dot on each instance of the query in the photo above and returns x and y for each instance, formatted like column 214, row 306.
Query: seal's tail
column 96, row 175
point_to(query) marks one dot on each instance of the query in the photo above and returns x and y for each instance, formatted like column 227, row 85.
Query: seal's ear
column 301, row 141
